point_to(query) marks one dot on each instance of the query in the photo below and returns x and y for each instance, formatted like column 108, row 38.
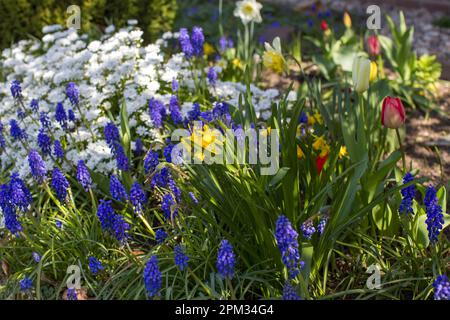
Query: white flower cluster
column 108, row 71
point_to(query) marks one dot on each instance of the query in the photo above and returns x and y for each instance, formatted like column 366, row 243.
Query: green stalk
column 402, row 150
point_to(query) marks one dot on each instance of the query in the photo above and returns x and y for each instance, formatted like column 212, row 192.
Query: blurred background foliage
column 21, row 19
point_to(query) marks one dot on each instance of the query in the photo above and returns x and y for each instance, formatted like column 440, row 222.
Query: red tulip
column 324, row 25
column 392, row 113
column 373, row 45
column 320, row 162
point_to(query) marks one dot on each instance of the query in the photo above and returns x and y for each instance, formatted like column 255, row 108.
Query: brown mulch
column 428, row 140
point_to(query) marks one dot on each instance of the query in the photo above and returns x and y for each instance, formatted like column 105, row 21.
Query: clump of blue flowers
column 289, row 292
column 152, row 277
column 441, row 288
column 198, row 40
column 44, row 142
column 59, row 184
column 180, row 257
column 212, row 76
column 72, row 93
column 157, row 112
column 174, row 109
column 185, row 43
column 15, row 131
column 37, row 166
column 72, row 294
column 160, row 236
column 226, row 260
column 16, row 89
column 435, row 219
column 83, row 176
column 167, row 205
column 138, row 197
column 150, row 161
column 95, row 265
column 287, row 243
column 116, row 189
column 112, row 222
column 307, row 229
column 61, row 115
column 322, row 224
column 26, row 283
column 408, row 194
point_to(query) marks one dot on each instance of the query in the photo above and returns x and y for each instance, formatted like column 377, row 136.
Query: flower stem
column 402, row 150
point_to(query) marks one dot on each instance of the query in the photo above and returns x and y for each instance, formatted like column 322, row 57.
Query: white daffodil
column 273, row 57
column 248, row 11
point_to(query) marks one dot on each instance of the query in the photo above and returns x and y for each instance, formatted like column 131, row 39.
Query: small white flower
column 248, row 11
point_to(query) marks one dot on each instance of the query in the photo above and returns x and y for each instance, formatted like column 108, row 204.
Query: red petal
column 320, row 162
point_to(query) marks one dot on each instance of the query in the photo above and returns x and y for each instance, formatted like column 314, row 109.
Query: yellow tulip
column 361, row 74
column 373, row 71
column 347, row 20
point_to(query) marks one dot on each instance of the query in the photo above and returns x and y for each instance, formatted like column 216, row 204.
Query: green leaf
column 278, row 177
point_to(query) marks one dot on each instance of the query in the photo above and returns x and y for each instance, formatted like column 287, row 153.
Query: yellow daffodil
column 318, row 117
column 237, row 63
column 266, row 132
column 273, row 57
column 208, row 49
column 300, row 154
column 342, row 152
column 319, row 143
column 325, row 150
column 347, row 20
column 299, row 131
column 373, row 71
column 313, row 118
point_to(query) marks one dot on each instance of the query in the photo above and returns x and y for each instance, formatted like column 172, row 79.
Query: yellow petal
column 342, row 152
column 347, row 20
column 373, row 71
column 300, row 153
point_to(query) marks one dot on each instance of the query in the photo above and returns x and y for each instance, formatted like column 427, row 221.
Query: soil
column 428, row 140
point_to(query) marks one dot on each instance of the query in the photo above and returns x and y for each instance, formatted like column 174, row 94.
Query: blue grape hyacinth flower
column 95, row 265
column 26, row 283
column 441, row 288
column 287, row 243
column 435, row 219
column 60, row 184
column 226, row 260
column 116, row 189
column 180, row 257
column 152, row 277
column 83, row 176
column 37, row 166
column 289, row 292
column 408, row 194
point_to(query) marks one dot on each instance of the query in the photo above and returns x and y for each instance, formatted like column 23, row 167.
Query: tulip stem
column 401, row 149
